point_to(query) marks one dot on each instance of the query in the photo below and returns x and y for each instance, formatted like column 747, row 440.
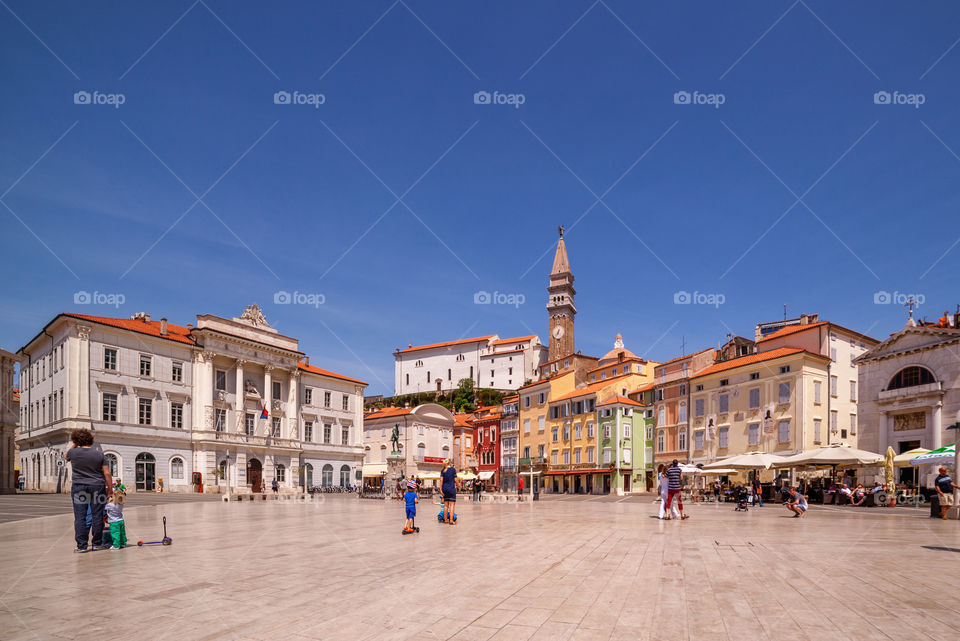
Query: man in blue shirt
column 945, row 487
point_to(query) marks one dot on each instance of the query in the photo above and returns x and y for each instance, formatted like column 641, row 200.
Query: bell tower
column 560, row 307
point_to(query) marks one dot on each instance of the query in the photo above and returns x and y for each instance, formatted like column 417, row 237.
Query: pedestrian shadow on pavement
column 941, row 548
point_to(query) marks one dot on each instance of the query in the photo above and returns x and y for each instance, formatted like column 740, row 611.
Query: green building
column 645, row 396
column 620, row 437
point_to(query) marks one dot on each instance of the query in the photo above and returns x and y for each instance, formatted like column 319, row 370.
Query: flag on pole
column 264, row 413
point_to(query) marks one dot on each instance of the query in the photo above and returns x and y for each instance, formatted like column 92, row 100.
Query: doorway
column 909, row 473
column 626, row 482
column 254, row 474
column 146, row 467
column 606, row 484
column 589, row 483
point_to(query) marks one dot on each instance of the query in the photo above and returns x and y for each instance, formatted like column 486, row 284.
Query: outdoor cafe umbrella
column 721, row 472
column 466, row 476
column 906, row 458
column 830, row 455
column 946, row 454
column 888, row 466
column 690, row 469
column 748, row 461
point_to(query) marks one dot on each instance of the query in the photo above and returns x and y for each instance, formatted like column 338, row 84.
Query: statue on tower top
column 560, row 229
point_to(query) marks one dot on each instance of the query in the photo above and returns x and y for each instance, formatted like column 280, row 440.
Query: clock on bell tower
column 560, row 307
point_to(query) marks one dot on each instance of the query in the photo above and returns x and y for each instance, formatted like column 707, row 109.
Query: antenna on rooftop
column 784, row 311
column 683, row 344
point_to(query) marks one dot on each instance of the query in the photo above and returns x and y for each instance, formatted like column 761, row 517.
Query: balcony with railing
column 914, row 391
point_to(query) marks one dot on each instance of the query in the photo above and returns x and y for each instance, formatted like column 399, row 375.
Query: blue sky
column 399, row 197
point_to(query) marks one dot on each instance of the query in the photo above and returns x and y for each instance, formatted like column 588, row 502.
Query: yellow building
column 534, row 399
column 774, row 401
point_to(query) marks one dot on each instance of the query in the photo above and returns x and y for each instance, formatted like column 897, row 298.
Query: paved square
column 561, row 568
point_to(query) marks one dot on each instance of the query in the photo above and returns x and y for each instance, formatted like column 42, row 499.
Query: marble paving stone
column 560, row 568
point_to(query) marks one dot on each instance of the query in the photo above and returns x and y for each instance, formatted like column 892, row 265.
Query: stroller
column 742, row 498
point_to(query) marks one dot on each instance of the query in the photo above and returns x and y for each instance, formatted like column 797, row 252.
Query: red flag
column 264, row 413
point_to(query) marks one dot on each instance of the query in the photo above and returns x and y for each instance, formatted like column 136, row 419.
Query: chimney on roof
column 146, row 317
column 163, row 326
column 306, row 360
column 189, row 325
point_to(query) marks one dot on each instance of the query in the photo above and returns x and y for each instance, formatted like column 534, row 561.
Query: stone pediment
column 910, row 339
column 433, row 412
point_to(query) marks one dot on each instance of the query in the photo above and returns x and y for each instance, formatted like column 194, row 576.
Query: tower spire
column 560, row 306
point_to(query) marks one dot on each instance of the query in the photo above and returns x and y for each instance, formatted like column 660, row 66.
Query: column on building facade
column 883, row 431
column 293, row 407
column 83, row 363
column 240, row 394
column 207, row 397
column 937, row 426
column 268, row 396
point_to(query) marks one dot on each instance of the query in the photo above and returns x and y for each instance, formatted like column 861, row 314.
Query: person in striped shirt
column 675, row 484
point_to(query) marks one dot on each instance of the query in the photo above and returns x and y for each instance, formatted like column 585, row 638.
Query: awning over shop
column 428, row 476
column 486, row 475
column 466, row 476
column 374, row 469
column 575, row 472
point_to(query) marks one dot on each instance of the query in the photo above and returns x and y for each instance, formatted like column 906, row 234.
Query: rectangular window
column 308, row 396
column 145, row 411
column 853, row 390
column 327, row 427
column 308, row 431
column 753, row 434
column 249, row 424
column 724, row 437
column 698, row 408
column 326, row 399
column 833, row 354
column 783, row 431
column 698, row 388
column 276, row 390
column 176, row 372
column 566, row 432
column 606, row 455
column 576, row 455
column 589, row 429
column 648, row 436
column 606, row 430
column 61, row 402
column 626, row 430
column 553, row 457
column 110, row 358
column 526, row 401
column 541, row 423
column 724, row 382
column 344, row 435
column 526, row 451
column 724, row 403
column 526, row 425
column 816, row 430
column 784, row 392
column 589, row 455
column 220, row 420
column 682, row 440
column 541, row 397
column 276, row 428
column 345, row 403
column 698, row 440
column 176, row 415
column 566, row 457
column 833, row 421
column 833, row 386
column 754, row 376
column 853, row 423
column 541, row 450
column 755, row 398
column 816, row 392
column 553, row 433
column 110, row 407
column 626, row 455
column 578, row 431
column 146, row 365
column 785, row 369
column 682, row 413
column 220, row 380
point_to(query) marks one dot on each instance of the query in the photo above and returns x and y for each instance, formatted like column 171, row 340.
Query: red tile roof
column 619, row 400
column 388, row 412
column 174, row 333
column 679, row 358
column 519, row 339
column 629, row 359
column 557, row 376
column 316, row 370
column 792, row 329
column 645, row 388
column 508, row 399
column 463, row 420
column 753, row 359
column 478, row 339
column 589, row 389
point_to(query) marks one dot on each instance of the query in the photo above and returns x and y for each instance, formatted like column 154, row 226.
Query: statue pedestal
column 396, row 467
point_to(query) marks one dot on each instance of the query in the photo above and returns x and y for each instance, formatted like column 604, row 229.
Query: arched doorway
column 254, row 474
column 327, row 478
column 344, row 476
column 309, row 470
column 146, row 467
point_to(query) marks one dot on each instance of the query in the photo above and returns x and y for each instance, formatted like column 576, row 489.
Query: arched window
column 327, row 475
column 223, row 469
column 662, row 415
column 113, row 464
column 176, row 468
column 383, row 453
column 280, row 472
column 344, row 476
column 911, row 377
column 366, row 454
column 446, row 451
column 421, row 451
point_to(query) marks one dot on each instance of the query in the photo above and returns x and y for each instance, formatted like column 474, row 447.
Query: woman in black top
column 92, row 486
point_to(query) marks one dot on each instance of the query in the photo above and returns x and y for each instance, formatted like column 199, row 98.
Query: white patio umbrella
column 749, row 461
column 721, row 471
column 690, row 469
column 905, row 458
column 830, row 455
column 945, row 454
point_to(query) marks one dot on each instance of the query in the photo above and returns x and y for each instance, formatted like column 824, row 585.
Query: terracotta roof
column 316, row 370
column 463, row 420
column 489, row 417
column 619, row 400
column 174, row 333
column 507, row 399
column 547, row 380
column 518, row 339
column 464, row 341
column 388, row 412
column 645, row 388
column 755, row 358
column 589, row 389
column 629, row 359
column 792, row 329
column 680, row 358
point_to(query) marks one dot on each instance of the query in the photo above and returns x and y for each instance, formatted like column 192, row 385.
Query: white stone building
column 228, row 399
column 910, row 389
column 503, row 364
column 9, row 416
column 426, row 438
